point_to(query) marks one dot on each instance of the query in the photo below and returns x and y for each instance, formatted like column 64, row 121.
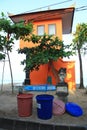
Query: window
column 52, row 29
column 40, row 30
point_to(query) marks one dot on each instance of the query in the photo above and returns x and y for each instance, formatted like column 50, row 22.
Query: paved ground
column 9, row 108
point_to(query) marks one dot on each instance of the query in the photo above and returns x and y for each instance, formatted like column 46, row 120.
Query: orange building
column 57, row 22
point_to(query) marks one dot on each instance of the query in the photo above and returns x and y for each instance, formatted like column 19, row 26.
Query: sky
column 23, row 6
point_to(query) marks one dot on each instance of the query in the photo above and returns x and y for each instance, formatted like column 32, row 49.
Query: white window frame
column 52, row 29
column 40, row 30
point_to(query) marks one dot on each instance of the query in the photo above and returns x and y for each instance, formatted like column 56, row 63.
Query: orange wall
column 70, row 70
column 58, row 24
column 40, row 77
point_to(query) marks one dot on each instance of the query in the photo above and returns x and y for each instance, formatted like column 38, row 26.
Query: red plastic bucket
column 24, row 102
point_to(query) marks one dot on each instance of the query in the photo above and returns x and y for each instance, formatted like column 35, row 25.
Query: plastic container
column 44, row 106
column 24, row 102
column 58, row 107
column 74, row 109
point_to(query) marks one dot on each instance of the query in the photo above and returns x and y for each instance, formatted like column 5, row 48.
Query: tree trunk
column 3, row 75
column 10, row 72
column 81, row 86
column 54, row 71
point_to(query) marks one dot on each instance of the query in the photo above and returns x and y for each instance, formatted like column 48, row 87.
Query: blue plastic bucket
column 44, row 106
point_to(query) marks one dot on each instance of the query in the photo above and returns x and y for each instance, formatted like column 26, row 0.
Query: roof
column 66, row 14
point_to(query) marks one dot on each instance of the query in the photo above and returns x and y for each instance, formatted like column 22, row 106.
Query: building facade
column 56, row 22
